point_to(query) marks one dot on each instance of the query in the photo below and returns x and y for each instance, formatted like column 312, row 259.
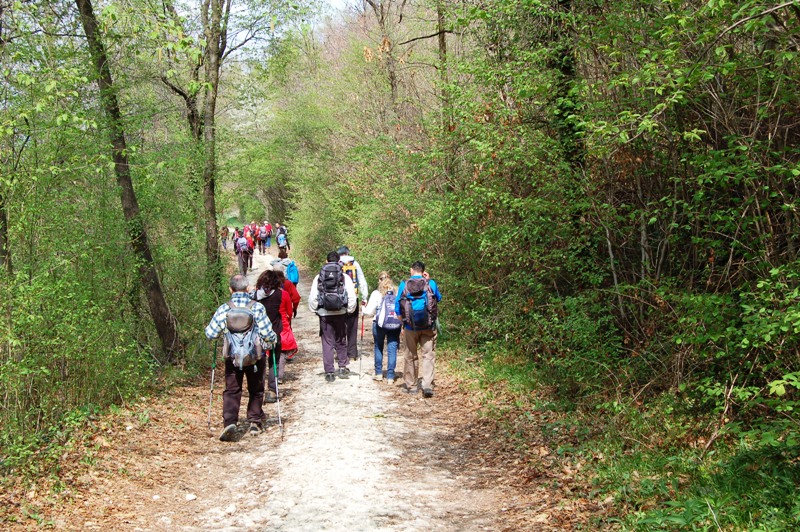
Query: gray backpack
column 242, row 343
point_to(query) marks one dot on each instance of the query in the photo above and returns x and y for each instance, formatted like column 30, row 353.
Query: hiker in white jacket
column 352, row 268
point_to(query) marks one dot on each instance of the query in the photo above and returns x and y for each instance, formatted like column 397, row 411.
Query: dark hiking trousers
column 351, row 321
column 334, row 338
column 232, row 396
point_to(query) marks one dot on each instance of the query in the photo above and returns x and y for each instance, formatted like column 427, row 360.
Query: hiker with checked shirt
column 417, row 305
column 232, row 396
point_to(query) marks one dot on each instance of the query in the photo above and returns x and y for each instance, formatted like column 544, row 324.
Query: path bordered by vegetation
column 355, row 455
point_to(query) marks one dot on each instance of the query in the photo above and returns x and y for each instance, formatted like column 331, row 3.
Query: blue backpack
column 292, row 273
column 418, row 306
column 281, row 240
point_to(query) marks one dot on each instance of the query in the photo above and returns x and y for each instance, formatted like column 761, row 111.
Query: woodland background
column 607, row 193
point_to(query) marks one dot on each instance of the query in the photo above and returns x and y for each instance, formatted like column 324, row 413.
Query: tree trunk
column 5, row 250
column 443, row 77
column 213, row 32
column 165, row 323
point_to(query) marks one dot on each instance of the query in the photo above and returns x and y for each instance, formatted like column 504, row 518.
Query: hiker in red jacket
column 251, row 245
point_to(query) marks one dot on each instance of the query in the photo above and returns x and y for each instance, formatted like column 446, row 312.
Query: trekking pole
column 361, row 345
column 213, row 371
column 277, row 392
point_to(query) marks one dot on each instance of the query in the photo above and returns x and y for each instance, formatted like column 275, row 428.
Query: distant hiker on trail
column 269, row 293
column 352, row 268
column 282, row 237
column 386, row 326
column 251, row 245
column 290, row 267
column 248, row 333
column 261, row 238
column 417, row 305
column 268, row 227
column 223, row 234
column 243, row 254
column 332, row 296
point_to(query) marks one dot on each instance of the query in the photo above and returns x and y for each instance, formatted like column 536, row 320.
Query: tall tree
column 223, row 31
column 164, row 322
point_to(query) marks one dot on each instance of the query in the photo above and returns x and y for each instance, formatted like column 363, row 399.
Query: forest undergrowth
column 606, row 193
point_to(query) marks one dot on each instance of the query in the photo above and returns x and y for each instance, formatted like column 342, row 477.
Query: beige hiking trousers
column 416, row 341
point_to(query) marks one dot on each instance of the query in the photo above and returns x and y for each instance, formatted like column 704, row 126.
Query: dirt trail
column 355, row 455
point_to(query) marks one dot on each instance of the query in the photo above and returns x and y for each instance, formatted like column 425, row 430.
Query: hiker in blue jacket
column 417, row 305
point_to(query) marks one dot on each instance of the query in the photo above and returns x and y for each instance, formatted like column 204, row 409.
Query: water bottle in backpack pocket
column 387, row 318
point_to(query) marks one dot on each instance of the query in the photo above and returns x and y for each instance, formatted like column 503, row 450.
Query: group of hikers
column 254, row 236
column 258, row 338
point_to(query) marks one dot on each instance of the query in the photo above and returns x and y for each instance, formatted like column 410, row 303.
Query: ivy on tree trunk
column 164, row 322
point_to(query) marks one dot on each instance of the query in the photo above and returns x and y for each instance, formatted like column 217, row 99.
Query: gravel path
column 341, row 464
column 355, row 455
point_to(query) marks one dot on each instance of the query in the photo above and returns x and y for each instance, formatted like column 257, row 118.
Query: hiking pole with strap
column 213, row 371
column 277, row 392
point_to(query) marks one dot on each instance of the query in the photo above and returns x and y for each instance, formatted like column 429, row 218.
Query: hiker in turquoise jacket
column 417, row 305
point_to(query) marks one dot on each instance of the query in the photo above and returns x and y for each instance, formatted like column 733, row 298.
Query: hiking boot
column 280, row 380
column 330, row 377
column 390, row 381
column 228, row 433
column 412, row 390
column 344, row 373
column 271, row 397
column 255, row 428
column 427, row 392
column 378, row 377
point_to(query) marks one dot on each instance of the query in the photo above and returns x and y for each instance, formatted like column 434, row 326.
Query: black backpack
column 330, row 286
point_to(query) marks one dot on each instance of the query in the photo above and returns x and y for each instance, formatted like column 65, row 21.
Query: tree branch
column 174, row 88
column 426, row 37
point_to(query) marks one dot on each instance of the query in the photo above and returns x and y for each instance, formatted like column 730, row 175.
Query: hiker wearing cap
column 332, row 296
column 385, row 327
column 352, row 268
column 253, row 369
column 417, row 306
